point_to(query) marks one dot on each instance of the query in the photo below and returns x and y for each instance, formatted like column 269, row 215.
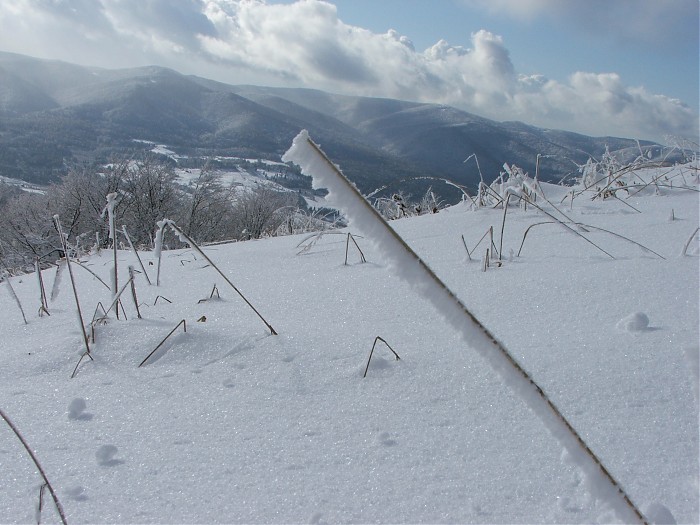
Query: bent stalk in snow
column 411, row 268
column 187, row 239
column 17, row 433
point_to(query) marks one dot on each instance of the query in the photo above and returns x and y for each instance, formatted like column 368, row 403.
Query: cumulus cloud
column 305, row 43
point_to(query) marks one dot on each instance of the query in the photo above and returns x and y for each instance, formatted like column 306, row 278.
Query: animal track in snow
column 76, row 410
column 105, row 456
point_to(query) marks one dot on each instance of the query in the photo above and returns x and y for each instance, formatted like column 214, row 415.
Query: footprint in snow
column 77, row 493
column 385, row 439
column 636, row 322
column 76, row 410
column 105, row 456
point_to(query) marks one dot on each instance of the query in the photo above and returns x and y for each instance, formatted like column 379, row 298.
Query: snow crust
column 232, row 425
column 406, row 265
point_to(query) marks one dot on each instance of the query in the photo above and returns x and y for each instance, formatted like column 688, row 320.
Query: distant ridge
column 54, row 114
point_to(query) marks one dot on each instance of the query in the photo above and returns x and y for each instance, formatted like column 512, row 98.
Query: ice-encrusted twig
column 112, row 199
column 411, row 268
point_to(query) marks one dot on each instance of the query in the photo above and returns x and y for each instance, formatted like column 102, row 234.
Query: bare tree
column 149, row 194
column 260, row 211
column 209, row 210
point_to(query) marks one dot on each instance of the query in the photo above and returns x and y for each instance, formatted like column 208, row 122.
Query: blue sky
column 664, row 60
column 600, row 67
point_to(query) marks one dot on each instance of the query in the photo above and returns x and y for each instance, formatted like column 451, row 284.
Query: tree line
column 147, row 191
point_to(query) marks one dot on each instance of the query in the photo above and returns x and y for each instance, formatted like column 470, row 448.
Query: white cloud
column 305, row 43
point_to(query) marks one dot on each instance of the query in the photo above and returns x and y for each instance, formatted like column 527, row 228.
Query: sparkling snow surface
column 227, row 423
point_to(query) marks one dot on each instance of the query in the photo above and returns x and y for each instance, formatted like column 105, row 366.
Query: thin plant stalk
column 588, row 226
column 44, row 308
column 687, row 244
column 117, row 297
column 570, row 229
column 469, row 256
column 81, row 265
column 194, row 245
column 495, row 353
column 14, row 296
column 72, row 281
column 503, row 224
column 133, row 291
column 136, row 253
column 347, row 245
column 26, row 446
column 372, row 351
column 184, row 327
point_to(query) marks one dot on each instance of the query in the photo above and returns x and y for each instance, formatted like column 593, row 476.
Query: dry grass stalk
column 81, row 265
column 503, row 224
column 196, row 247
column 14, row 295
column 136, row 253
column 161, row 297
column 469, row 255
column 17, row 433
column 64, row 244
column 44, row 308
column 687, row 244
column 133, row 291
column 347, row 245
column 588, row 227
column 489, row 232
column 116, row 301
column 214, row 290
column 569, row 228
column 372, row 351
column 41, row 503
column 184, row 327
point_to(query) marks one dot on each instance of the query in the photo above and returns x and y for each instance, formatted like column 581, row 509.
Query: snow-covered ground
column 228, row 423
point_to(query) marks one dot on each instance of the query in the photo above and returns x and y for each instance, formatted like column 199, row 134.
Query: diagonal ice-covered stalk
column 411, row 268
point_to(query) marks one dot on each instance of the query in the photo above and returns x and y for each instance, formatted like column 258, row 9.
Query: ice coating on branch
column 111, row 204
column 408, row 266
column 158, row 243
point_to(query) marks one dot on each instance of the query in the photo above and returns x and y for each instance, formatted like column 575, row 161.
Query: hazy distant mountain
column 53, row 114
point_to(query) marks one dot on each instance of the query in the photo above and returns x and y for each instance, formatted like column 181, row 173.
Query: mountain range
column 54, row 114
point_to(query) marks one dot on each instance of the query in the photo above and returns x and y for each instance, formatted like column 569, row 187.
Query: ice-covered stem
column 109, row 209
column 44, row 308
column 158, row 246
column 26, row 446
column 188, row 240
column 57, row 221
column 411, row 268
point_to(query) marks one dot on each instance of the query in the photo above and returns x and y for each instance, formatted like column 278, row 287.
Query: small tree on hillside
column 260, row 211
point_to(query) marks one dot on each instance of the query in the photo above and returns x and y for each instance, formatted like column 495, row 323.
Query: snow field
column 231, row 424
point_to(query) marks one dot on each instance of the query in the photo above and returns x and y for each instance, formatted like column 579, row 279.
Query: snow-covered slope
column 227, row 423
